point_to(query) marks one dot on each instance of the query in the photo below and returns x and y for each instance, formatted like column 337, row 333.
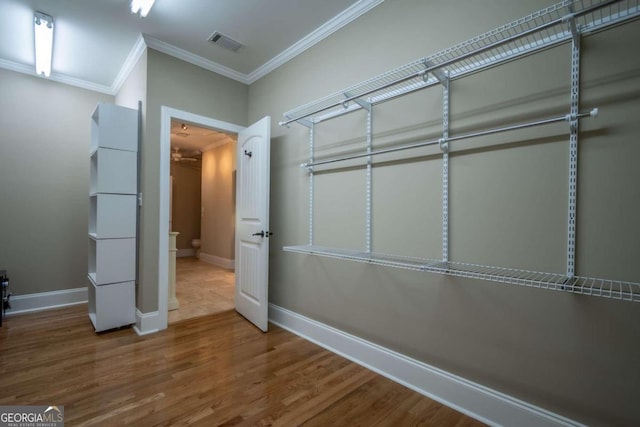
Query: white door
column 252, row 223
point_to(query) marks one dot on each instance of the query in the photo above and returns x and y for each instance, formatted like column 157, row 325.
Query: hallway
column 201, row 289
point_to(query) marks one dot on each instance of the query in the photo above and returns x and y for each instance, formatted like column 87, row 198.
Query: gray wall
column 186, row 201
column 574, row 355
column 177, row 84
column 133, row 90
column 218, row 201
column 44, row 182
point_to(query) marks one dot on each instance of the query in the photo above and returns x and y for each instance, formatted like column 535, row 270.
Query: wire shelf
column 540, row 30
column 613, row 289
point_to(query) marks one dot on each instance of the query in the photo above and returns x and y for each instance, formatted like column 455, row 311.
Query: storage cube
column 113, row 126
column 113, row 171
column 112, row 260
column 112, row 306
column 112, row 216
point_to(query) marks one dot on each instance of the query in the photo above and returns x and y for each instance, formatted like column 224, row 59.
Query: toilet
column 195, row 243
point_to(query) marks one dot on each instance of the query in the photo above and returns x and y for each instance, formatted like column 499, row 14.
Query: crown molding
column 129, row 64
column 56, row 77
column 325, row 30
column 189, row 57
column 17, row 67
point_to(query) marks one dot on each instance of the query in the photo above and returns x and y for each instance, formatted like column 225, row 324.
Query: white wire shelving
column 564, row 22
column 540, row 30
column 614, row 289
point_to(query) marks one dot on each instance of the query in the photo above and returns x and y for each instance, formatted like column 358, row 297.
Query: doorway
column 202, row 213
column 167, row 116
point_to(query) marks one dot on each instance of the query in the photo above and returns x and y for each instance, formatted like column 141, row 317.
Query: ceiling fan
column 177, row 156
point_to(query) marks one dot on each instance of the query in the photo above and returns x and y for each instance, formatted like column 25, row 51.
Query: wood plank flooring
column 216, row 370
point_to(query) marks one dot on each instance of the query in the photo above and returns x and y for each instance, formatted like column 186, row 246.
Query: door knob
column 263, row 234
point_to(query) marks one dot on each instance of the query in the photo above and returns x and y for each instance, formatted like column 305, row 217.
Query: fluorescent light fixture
column 43, row 30
column 142, row 6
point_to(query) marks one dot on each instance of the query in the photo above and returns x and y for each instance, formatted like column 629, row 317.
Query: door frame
column 166, row 115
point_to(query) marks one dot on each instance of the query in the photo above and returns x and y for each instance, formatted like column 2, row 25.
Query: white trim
column 322, row 32
column 47, row 300
column 199, row 61
column 56, row 77
column 345, row 17
column 229, row 264
column 163, row 215
column 184, row 253
column 147, row 323
column 166, row 114
column 480, row 402
column 129, row 64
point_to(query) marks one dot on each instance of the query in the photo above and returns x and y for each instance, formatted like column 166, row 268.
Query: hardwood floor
column 201, row 289
column 216, row 370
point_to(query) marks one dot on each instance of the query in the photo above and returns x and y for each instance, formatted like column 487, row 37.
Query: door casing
column 167, row 114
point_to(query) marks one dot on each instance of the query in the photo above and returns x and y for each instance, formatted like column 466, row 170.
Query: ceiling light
column 142, row 6
column 184, row 127
column 43, row 30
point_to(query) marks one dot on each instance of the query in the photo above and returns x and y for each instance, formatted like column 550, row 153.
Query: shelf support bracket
column 573, row 147
column 364, row 104
column 573, row 27
column 444, row 146
column 311, row 180
column 369, row 178
column 441, row 75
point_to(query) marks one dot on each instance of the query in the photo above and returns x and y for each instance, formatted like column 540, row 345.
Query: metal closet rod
column 566, row 117
column 428, row 69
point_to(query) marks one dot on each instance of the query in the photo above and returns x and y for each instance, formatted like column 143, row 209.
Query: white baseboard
column 183, row 253
column 229, row 264
column 147, row 323
column 475, row 400
column 47, row 300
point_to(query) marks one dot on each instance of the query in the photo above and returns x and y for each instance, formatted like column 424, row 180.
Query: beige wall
column 186, row 201
column 571, row 354
column 574, row 355
column 177, row 84
column 133, row 90
column 218, row 201
column 44, row 182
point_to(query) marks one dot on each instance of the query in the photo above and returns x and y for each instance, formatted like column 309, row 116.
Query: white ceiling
column 192, row 139
column 96, row 42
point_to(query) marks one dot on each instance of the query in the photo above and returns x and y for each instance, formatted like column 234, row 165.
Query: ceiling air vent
column 226, row 42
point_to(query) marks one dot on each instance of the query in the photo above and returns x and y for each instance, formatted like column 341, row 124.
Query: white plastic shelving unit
column 564, row 22
column 107, row 178
column 113, row 195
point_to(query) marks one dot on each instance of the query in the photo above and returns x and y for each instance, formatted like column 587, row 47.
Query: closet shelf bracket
column 364, row 104
column 441, row 75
